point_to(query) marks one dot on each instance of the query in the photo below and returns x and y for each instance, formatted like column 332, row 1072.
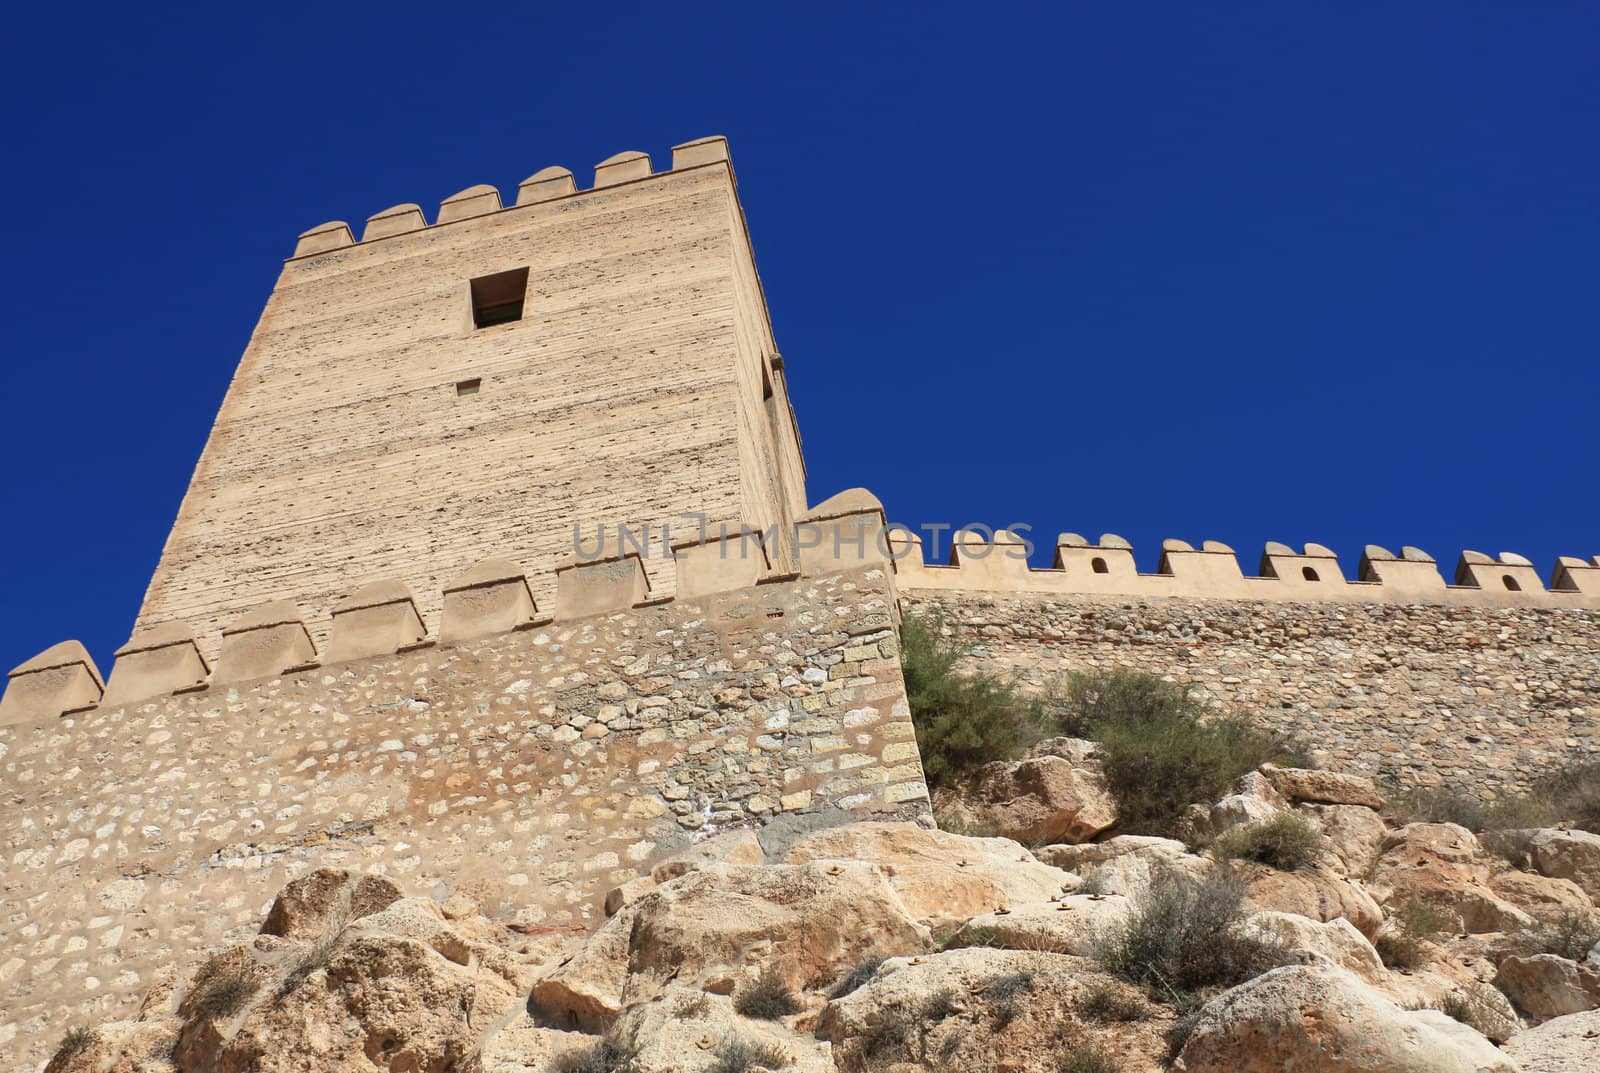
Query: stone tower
column 414, row 401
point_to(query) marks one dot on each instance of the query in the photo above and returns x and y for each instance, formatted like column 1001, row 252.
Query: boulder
column 944, row 879
column 1323, row 787
column 1354, row 833
column 1253, row 801
column 975, row 1010
column 1126, row 864
column 730, row 847
column 723, row 923
column 1068, row 926
column 1317, row 892
column 373, row 998
column 305, row 907
column 1540, row 895
column 1035, row 800
column 683, row 1031
column 1573, row 855
column 1443, row 864
column 1334, row 942
column 1545, row 986
column 1320, row 1019
column 1560, row 1045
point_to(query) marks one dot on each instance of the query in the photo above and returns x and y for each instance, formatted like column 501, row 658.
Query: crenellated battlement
column 382, row 617
column 547, row 184
column 1212, row 571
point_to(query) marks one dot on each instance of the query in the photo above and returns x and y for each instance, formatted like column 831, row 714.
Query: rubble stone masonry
column 533, row 769
column 1482, row 698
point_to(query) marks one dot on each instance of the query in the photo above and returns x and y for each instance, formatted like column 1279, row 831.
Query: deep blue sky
column 1291, row 271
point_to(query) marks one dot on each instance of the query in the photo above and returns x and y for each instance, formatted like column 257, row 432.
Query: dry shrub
column 1287, row 841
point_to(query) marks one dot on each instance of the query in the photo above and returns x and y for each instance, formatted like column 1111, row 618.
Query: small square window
column 497, row 299
column 468, row 387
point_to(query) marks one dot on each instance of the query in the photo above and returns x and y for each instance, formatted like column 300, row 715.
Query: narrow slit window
column 468, row 387
column 497, row 299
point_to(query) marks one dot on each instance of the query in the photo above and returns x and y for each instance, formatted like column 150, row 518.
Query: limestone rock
column 975, row 1010
column 1573, row 855
column 1035, row 800
column 304, row 907
column 1560, row 1045
column 1442, row 863
column 1335, row 942
column 1321, row 1019
column 1546, row 986
column 1318, row 893
column 731, row 847
column 1069, row 926
column 1355, row 833
column 682, row 1029
column 944, row 879
column 1323, row 787
column 807, row 923
column 1539, row 895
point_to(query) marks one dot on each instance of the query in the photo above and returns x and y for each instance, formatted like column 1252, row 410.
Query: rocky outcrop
column 1335, row 942
column 304, row 908
column 1318, row 892
column 1036, row 800
column 1545, row 986
column 1355, row 833
column 943, row 879
column 1323, row 1019
column 1126, row 864
column 975, row 1010
column 723, row 924
column 1573, row 855
column 1073, row 924
column 1323, row 787
column 1443, row 864
column 1561, row 1045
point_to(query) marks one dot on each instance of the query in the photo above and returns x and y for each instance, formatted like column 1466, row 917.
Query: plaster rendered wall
column 535, row 769
column 342, row 451
column 1481, row 697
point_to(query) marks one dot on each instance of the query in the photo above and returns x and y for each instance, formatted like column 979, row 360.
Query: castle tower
column 429, row 396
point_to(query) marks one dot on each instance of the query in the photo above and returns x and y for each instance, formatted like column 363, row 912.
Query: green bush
column 1158, row 748
column 963, row 721
column 1086, row 1058
column 768, row 999
column 1183, row 938
column 734, row 1055
column 1287, row 841
column 1414, row 922
column 1111, row 1002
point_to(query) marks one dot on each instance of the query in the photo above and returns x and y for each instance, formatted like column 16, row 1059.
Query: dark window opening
column 497, row 299
column 468, row 387
column 1511, row 583
column 1309, row 574
column 1100, row 566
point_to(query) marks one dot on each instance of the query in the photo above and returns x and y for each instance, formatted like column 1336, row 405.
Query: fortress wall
column 1484, row 698
column 343, row 451
column 534, row 769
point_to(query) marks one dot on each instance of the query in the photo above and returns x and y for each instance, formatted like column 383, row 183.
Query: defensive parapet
column 999, row 564
column 381, row 617
column 547, row 184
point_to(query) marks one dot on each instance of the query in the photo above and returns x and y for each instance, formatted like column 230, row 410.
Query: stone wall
column 1484, row 698
column 535, row 769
